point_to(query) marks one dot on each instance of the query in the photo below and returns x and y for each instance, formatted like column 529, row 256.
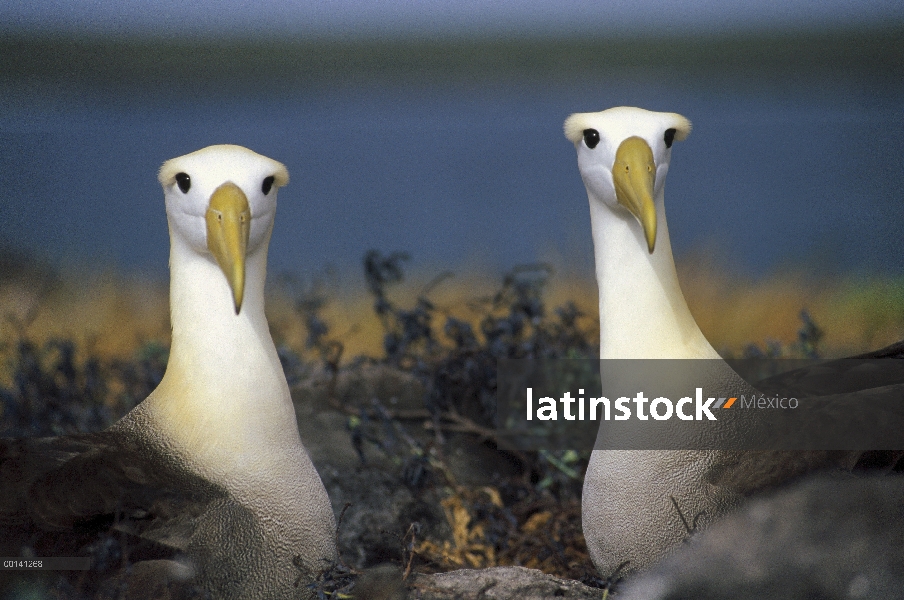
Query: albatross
column 637, row 504
column 206, row 480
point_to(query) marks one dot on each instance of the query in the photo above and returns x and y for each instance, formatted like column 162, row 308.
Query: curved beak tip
column 649, row 229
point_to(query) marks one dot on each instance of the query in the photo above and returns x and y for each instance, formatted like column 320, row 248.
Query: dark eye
column 267, row 185
column 669, row 137
column 591, row 138
column 183, row 181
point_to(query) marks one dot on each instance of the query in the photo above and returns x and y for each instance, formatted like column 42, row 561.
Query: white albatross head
column 623, row 156
column 220, row 203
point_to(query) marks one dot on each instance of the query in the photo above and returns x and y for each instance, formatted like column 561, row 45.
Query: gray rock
column 498, row 583
column 824, row 538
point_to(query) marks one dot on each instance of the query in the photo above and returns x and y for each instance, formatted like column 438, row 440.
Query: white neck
column 643, row 313
column 224, row 398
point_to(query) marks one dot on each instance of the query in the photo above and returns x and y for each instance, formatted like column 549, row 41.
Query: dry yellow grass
column 111, row 315
column 857, row 314
column 108, row 313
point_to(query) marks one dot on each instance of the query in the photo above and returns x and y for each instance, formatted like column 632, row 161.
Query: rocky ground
column 432, row 505
column 823, row 537
column 462, row 519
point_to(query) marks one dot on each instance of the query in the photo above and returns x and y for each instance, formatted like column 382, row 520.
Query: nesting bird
column 637, row 504
column 207, row 476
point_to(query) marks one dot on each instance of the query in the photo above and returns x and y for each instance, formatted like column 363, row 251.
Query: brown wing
column 895, row 350
column 99, row 496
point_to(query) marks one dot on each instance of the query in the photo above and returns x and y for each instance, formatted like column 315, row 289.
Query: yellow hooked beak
column 634, row 174
column 228, row 227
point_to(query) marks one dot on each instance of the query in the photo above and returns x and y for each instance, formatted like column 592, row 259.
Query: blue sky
column 378, row 17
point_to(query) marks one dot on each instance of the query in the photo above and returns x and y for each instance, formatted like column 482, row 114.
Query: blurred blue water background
column 798, row 169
